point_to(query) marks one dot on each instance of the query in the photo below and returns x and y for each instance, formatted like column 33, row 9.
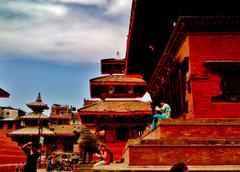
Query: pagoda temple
column 54, row 132
column 34, row 124
column 118, row 115
column 189, row 57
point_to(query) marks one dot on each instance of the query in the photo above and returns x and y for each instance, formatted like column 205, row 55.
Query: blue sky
column 55, row 46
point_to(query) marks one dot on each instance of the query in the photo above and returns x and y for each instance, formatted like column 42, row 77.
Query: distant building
column 9, row 118
column 63, row 114
column 11, row 155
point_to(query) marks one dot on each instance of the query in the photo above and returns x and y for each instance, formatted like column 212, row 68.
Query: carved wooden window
column 229, row 72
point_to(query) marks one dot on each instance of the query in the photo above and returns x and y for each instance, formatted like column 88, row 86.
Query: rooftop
column 117, row 107
column 119, row 78
column 33, row 131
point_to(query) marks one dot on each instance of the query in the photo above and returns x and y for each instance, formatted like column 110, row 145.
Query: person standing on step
column 33, row 154
column 161, row 113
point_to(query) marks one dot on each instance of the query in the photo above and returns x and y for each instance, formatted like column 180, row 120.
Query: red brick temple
column 117, row 116
column 189, row 58
column 11, row 155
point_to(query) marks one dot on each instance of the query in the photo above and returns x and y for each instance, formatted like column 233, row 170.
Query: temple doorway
column 122, row 133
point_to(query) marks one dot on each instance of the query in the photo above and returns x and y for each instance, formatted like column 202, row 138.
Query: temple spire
column 38, row 106
column 39, row 98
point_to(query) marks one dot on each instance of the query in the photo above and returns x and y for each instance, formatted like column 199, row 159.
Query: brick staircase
column 11, row 155
column 193, row 141
column 117, row 149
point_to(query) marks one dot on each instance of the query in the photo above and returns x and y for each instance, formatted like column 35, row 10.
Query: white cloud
column 85, row 2
column 52, row 31
column 117, row 7
column 37, row 9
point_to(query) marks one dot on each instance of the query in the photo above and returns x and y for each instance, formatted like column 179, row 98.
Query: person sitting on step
column 161, row 113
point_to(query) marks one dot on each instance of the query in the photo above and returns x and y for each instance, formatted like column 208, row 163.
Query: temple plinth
column 194, row 67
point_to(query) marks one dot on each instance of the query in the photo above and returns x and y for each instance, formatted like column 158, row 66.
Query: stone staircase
column 11, row 155
column 192, row 141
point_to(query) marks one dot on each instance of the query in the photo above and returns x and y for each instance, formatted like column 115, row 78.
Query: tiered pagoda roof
column 110, row 66
column 117, row 107
column 38, row 105
column 118, row 86
column 34, row 116
column 31, row 131
column 33, row 119
column 111, row 79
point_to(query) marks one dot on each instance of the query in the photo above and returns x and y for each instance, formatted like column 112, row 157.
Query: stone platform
column 194, row 142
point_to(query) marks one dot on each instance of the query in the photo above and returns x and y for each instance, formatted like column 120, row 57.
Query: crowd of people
column 62, row 161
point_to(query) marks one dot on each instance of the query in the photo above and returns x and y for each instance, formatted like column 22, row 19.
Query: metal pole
column 39, row 141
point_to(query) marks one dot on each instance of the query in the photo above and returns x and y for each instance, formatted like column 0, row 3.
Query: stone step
column 192, row 151
column 9, row 151
column 198, row 127
column 11, row 167
column 12, row 159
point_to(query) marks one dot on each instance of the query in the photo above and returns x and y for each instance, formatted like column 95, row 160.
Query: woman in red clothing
column 104, row 156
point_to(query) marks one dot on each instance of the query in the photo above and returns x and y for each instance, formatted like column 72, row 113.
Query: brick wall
column 197, row 155
column 204, row 85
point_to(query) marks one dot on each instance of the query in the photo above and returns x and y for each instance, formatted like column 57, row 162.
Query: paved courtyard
column 117, row 167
